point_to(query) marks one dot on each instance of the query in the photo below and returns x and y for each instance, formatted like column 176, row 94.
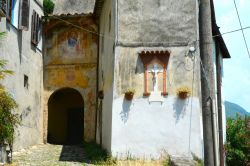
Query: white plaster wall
column 141, row 129
column 24, row 58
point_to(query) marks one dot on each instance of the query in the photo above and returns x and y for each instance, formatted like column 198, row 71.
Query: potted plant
column 129, row 94
column 48, row 7
column 183, row 92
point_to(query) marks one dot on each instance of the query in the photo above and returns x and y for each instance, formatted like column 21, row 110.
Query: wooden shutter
column 35, row 27
column 3, row 7
column 9, row 9
column 24, row 15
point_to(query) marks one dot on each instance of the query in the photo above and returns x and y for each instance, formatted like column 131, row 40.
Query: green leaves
column 48, row 7
column 8, row 120
column 3, row 70
column 238, row 141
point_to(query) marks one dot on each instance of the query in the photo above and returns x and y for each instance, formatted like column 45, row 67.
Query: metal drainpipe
column 219, row 101
column 97, row 82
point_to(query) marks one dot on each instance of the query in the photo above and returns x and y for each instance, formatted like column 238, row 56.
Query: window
column 17, row 12
column 26, row 82
column 109, row 21
column 35, row 29
column 3, row 7
column 24, row 15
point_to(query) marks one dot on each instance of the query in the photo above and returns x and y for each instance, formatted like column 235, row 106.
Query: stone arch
column 65, row 117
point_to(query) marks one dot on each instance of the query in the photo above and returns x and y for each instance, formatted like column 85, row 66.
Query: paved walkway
column 50, row 155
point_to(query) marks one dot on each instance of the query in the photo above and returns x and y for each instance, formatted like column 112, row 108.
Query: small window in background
column 109, row 21
column 3, row 8
column 36, row 27
column 26, row 82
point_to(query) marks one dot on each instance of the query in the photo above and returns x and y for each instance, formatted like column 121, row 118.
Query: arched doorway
column 65, row 117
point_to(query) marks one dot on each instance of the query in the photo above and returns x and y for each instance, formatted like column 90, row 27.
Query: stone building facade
column 153, row 47
column 25, row 59
column 90, row 59
column 70, row 61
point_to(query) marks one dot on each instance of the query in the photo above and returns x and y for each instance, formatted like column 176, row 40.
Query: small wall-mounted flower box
column 183, row 92
column 129, row 94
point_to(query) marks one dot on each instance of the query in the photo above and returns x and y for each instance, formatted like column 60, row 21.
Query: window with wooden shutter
column 35, row 28
column 9, row 8
column 3, row 7
column 24, row 15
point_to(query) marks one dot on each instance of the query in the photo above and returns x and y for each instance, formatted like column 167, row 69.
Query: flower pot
column 129, row 96
column 3, row 154
column 146, row 94
column 183, row 95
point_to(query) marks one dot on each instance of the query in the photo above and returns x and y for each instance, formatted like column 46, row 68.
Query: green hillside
column 232, row 109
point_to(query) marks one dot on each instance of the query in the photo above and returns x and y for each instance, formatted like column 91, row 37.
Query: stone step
column 182, row 161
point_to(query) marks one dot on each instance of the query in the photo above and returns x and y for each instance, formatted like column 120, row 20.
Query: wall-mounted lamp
column 192, row 49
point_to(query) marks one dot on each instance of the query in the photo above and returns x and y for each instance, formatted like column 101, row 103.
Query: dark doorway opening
column 65, row 117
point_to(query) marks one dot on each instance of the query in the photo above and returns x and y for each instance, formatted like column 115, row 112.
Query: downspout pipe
column 219, row 103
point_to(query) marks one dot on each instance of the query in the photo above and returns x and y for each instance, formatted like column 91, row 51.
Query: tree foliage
column 48, row 7
column 238, row 141
column 8, row 120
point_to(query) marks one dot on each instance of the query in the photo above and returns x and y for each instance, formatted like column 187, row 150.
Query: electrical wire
column 242, row 29
column 113, row 38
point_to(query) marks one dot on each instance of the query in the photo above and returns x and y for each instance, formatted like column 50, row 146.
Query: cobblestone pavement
column 50, row 155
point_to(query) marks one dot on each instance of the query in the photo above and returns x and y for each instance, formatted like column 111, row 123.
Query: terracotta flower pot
column 129, row 96
column 183, row 95
column 146, row 94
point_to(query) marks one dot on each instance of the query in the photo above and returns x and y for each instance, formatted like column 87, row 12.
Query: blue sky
column 236, row 81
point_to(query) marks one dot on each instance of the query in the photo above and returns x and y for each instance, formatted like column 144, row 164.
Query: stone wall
column 70, row 61
column 172, row 21
column 73, row 6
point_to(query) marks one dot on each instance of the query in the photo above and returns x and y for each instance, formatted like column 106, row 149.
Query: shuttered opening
column 35, row 27
column 24, row 15
column 9, row 8
column 3, row 8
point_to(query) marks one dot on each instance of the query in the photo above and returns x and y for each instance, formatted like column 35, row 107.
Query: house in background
column 145, row 35
column 90, row 59
column 22, row 48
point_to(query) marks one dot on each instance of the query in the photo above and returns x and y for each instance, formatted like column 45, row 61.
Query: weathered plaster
column 73, row 6
column 24, row 59
column 156, row 21
column 106, row 73
column 140, row 128
column 70, row 60
column 129, row 70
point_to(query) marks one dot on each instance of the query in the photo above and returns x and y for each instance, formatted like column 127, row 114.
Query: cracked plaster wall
column 24, row 59
column 70, row 61
column 156, row 25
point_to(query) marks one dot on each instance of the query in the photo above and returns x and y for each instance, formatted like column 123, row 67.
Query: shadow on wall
column 139, row 66
column 180, row 107
column 126, row 107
